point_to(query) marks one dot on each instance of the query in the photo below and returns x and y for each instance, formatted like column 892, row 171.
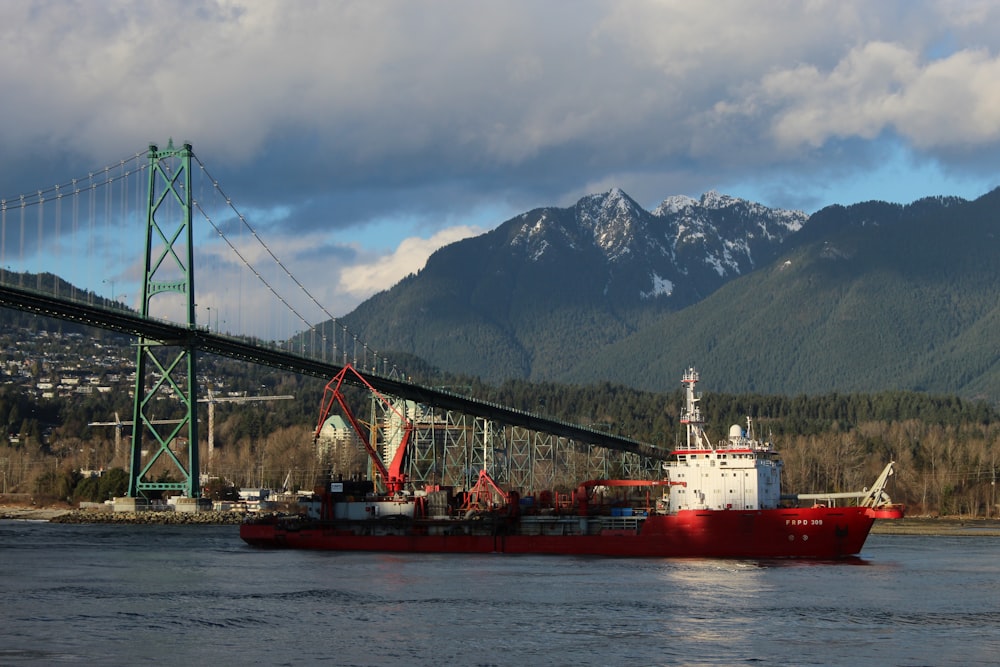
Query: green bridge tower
column 165, row 450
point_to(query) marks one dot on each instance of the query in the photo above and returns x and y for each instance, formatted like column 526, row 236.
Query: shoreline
column 941, row 526
column 78, row 516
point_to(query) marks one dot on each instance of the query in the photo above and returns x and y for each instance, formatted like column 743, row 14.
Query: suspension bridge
column 66, row 252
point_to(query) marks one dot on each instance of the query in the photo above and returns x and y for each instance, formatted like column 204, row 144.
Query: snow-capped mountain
column 684, row 249
column 853, row 298
column 593, row 270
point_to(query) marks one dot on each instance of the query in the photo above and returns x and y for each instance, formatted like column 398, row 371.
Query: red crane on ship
column 392, row 477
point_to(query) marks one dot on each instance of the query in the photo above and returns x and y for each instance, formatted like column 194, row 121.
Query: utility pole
column 993, row 489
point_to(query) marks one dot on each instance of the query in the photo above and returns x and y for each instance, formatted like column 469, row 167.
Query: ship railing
column 622, row 522
column 873, row 497
column 828, row 499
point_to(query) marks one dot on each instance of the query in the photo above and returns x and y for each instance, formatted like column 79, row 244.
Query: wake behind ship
column 720, row 500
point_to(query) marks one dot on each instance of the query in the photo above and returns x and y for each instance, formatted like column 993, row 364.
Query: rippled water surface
column 196, row 595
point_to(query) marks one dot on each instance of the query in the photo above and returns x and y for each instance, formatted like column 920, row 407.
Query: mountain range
column 869, row 297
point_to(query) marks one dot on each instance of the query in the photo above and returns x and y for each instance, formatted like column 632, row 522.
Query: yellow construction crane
column 120, row 425
column 212, row 399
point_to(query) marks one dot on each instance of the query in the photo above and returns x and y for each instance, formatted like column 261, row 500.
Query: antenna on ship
column 691, row 413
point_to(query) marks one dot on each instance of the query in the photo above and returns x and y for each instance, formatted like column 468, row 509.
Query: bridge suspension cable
column 243, row 220
column 246, row 224
column 89, row 233
column 74, row 186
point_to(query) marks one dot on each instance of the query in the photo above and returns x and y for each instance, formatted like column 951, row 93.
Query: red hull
column 816, row 532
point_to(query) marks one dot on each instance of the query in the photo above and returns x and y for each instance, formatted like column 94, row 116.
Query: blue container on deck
column 626, row 511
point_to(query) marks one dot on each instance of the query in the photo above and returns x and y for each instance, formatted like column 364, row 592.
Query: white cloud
column 363, row 280
column 339, row 114
column 269, row 303
column 614, row 85
column 881, row 86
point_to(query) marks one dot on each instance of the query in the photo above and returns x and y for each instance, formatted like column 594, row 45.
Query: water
column 195, row 595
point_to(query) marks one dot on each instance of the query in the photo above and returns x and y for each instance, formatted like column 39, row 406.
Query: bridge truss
column 450, row 448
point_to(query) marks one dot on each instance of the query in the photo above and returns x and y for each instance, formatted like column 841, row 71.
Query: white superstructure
column 739, row 473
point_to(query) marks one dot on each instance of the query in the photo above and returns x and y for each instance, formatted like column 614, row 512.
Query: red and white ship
column 718, row 500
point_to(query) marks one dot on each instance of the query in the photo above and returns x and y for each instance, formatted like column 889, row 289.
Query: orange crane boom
column 392, row 477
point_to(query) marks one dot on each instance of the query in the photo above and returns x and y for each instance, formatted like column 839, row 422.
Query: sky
column 359, row 136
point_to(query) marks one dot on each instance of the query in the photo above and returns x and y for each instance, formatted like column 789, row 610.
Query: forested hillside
column 878, row 297
column 947, row 449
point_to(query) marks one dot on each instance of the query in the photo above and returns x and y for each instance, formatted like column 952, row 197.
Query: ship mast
column 691, row 413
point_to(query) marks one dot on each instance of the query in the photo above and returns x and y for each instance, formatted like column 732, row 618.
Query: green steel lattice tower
column 165, row 373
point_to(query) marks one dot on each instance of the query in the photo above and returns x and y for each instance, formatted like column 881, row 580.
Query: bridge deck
column 169, row 333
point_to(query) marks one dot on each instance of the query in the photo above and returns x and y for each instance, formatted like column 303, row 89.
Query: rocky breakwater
column 151, row 518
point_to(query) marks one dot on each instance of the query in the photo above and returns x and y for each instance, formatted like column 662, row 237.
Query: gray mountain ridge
column 763, row 299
